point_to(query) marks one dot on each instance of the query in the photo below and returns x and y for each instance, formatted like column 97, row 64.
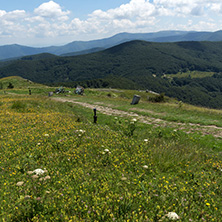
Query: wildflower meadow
column 57, row 165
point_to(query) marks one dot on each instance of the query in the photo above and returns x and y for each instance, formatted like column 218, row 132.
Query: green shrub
column 158, row 98
column 10, row 86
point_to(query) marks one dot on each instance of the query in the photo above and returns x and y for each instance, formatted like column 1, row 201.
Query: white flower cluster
column 106, row 151
column 38, row 171
column 81, row 132
column 133, row 121
column 173, row 216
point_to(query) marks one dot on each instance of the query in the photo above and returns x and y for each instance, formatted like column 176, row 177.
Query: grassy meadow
column 192, row 74
column 57, row 165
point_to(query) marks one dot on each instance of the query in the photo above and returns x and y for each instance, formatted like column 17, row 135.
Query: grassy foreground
column 116, row 170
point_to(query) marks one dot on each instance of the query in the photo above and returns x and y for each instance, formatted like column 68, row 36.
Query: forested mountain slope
column 143, row 64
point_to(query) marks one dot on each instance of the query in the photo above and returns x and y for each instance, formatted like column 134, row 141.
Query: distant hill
column 130, row 59
column 30, row 57
column 82, row 47
column 84, row 52
column 41, row 56
column 135, row 64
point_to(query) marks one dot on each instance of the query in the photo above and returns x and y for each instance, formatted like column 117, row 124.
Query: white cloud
column 197, row 11
column 51, row 20
column 34, row 19
column 11, row 23
column 51, row 10
column 216, row 7
column 135, row 8
column 137, row 14
column 15, row 15
column 203, row 25
column 2, row 13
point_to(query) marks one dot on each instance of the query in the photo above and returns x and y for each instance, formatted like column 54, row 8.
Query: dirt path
column 187, row 127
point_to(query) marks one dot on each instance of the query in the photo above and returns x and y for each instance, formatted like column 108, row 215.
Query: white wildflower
column 20, row 183
column 35, row 177
column 146, row 140
column 145, row 167
column 47, row 178
column 46, row 135
column 107, row 151
column 134, row 120
column 172, row 216
column 82, row 131
column 38, row 171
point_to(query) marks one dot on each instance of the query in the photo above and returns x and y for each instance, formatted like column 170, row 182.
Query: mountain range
column 8, row 52
column 134, row 65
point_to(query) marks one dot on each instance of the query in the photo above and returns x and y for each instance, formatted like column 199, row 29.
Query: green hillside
column 142, row 64
column 144, row 162
column 19, row 83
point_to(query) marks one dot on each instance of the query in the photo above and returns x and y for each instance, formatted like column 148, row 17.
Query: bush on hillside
column 158, row 98
column 10, row 86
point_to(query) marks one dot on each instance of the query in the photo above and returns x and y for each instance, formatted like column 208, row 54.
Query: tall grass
column 100, row 172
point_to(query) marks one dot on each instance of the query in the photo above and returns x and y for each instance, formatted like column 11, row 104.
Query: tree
column 10, row 86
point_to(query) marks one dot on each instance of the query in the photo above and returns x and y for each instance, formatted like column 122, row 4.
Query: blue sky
column 57, row 22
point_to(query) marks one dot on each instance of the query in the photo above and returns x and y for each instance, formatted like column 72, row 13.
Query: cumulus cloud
column 50, row 19
column 135, row 8
column 216, row 7
column 51, row 10
column 13, row 15
column 11, row 23
column 197, row 11
column 127, row 17
column 2, row 13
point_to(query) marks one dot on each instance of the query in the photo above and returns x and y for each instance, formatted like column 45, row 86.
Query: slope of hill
column 142, row 64
column 13, row 51
column 84, row 52
column 19, row 83
column 131, row 59
column 56, row 165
